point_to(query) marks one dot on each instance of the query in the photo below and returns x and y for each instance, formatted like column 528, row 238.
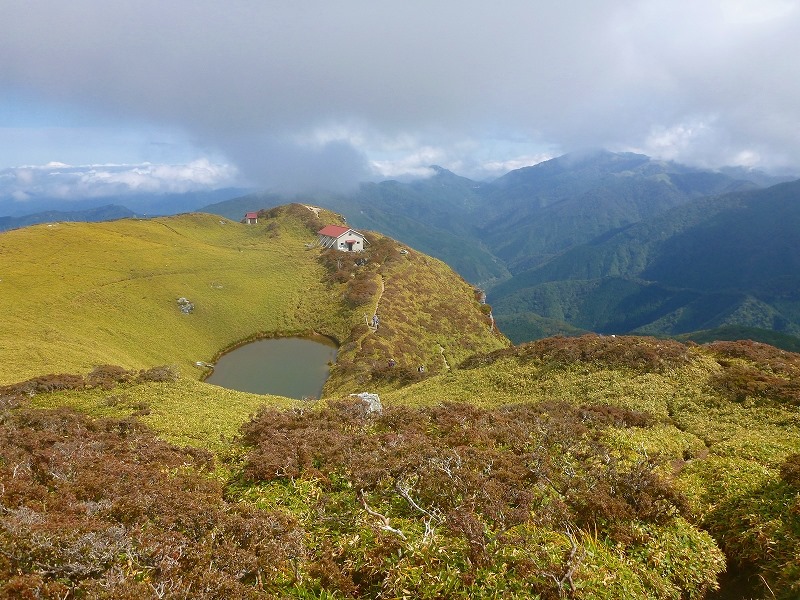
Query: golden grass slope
column 75, row 295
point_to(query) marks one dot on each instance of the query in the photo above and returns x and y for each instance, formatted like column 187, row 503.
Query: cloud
column 261, row 81
column 57, row 180
column 297, row 166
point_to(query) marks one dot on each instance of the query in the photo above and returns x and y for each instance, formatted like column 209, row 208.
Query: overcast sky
column 311, row 93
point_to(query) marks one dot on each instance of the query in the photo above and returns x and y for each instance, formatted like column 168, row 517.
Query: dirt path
column 444, row 358
column 377, row 305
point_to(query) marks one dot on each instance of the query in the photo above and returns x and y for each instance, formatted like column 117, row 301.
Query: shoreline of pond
column 208, row 367
column 294, row 366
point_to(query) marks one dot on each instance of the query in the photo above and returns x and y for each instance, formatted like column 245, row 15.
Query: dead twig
column 382, row 518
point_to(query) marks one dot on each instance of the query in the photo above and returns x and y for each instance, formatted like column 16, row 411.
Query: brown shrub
column 762, row 356
column 790, row 470
column 467, row 462
column 740, row 381
column 108, row 376
column 45, row 383
column 161, row 373
column 93, row 507
column 360, row 291
column 640, row 353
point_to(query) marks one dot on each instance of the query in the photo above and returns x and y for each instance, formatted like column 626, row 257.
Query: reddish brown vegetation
column 763, row 356
column 45, row 383
column 640, row 353
column 359, row 269
column 755, row 370
column 102, row 509
column 103, row 376
column 361, row 291
column 790, row 470
column 474, row 474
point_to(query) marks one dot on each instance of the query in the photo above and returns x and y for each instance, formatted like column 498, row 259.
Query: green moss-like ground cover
column 185, row 412
column 724, row 435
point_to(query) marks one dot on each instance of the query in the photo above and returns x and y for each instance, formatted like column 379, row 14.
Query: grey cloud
column 571, row 74
column 283, row 166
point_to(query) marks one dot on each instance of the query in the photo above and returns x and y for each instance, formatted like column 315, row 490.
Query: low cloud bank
column 20, row 185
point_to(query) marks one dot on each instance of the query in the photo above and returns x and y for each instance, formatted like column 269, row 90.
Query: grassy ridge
column 76, row 295
column 427, row 319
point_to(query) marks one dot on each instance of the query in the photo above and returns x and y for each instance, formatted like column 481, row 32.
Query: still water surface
column 292, row 367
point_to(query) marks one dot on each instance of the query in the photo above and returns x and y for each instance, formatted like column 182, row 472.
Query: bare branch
column 382, row 518
column 404, row 492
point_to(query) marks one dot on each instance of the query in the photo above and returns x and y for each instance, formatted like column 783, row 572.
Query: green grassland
column 78, row 295
column 586, row 467
column 75, row 295
column 185, row 412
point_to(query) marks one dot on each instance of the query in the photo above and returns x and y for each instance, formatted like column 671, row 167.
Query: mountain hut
column 341, row 238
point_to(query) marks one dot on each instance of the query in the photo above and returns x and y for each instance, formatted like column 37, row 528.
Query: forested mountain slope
column 730, row 259
column 488, row 230
column 539, row 211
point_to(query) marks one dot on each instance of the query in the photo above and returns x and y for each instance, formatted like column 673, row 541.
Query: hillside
column 488, row 231
column 725, row 260
column 433, row 215
column 538, row 224
column 586, row 467
column 77, row 295
column 591, row 467
column 598, row 241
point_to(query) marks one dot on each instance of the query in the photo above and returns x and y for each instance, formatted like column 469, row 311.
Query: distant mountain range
column 141, row 203
column 600, row 241
column 108, row 212
column 107, row 208
column 597, row 241
column 732, row 259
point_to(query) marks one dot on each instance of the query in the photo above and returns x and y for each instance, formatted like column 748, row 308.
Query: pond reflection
column 291, row 367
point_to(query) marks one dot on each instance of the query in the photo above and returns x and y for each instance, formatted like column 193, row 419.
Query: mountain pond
column 292, row 367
